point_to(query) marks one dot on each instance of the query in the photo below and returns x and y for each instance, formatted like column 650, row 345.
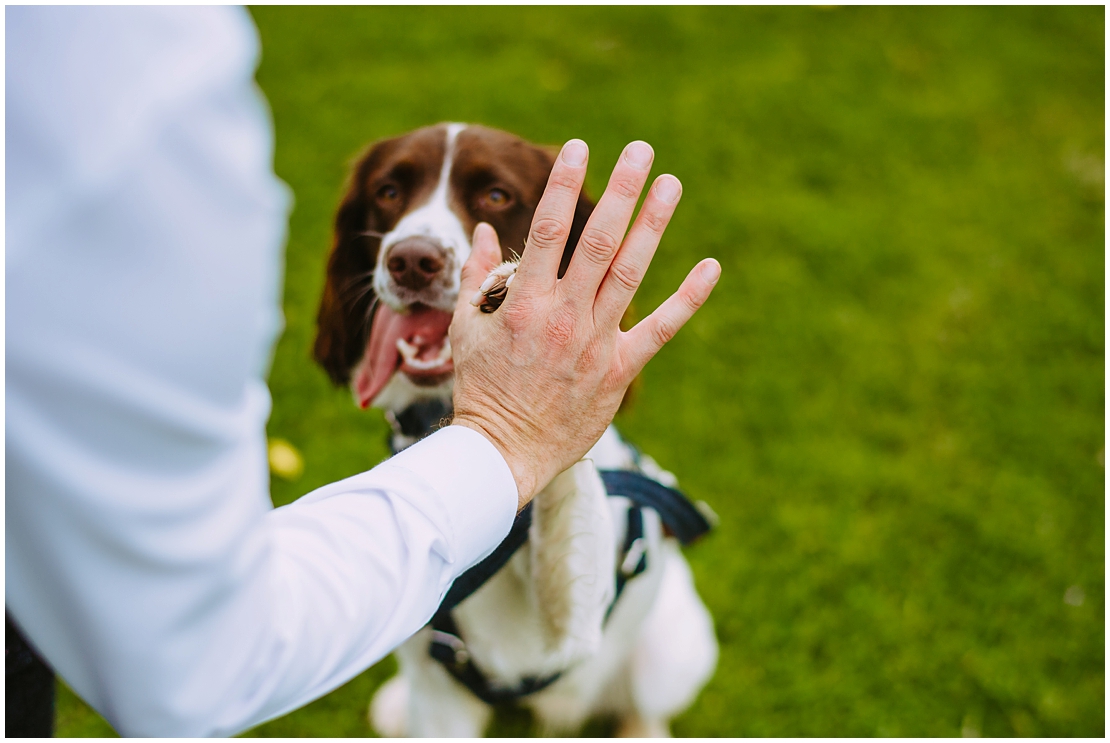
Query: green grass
column 895, row 398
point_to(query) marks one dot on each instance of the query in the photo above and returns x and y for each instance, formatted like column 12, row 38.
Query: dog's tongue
column 422, row 327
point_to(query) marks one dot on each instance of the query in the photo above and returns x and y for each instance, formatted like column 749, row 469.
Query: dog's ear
column 346, row 306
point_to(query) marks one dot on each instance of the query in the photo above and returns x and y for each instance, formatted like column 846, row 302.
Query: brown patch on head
column 495, row 177
column 499, row 178
column 389, row 179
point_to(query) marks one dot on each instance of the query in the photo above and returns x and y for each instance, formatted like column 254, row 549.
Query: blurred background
column 895, row 397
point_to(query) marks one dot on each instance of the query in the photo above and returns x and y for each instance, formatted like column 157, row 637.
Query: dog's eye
column 388, row 193
column 497, row 198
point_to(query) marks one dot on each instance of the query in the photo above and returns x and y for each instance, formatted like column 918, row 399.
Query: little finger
column 643, row 341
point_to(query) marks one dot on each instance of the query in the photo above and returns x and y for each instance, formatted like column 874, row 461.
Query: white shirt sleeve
column 143, row 556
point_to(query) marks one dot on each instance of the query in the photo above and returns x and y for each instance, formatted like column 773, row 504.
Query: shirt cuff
column 473, row 482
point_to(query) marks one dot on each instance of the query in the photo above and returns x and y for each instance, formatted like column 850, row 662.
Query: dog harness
column 681, row 518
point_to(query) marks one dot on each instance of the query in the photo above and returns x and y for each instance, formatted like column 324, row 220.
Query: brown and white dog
column 402, row 234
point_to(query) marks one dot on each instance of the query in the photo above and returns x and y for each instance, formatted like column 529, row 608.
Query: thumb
column 484, row 257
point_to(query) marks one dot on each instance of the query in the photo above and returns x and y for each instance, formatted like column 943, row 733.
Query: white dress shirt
column 144, row 558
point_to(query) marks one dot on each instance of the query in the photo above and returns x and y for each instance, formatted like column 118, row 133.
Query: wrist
column 520, row 466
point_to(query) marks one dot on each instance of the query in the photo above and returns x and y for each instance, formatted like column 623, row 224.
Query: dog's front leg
column 573, row 556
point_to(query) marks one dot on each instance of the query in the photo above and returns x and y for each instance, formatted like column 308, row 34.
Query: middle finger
column 601, row 239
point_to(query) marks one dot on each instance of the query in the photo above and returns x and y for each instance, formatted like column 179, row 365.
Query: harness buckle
column 632, row 558
column 457, row 646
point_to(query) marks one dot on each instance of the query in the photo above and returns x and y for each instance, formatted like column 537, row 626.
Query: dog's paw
column 496, row 287
column 390, row 707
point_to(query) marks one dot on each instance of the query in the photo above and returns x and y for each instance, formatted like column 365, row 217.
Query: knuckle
column 655, row 223
column 560, row 330
column 663, row 331
column 626, row 188
column 562, row 182
column 547, row 232
column 616, row 378
column 591, row 354
column 625, row 276
column 519, row 314
column 600, row 246
column 691, row 302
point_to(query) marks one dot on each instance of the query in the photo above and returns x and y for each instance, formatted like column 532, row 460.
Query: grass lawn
column 894, row 400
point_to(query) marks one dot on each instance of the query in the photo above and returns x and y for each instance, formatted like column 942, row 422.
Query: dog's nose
column 415, row 261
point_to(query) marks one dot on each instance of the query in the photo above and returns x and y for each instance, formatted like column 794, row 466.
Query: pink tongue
column 425, row 325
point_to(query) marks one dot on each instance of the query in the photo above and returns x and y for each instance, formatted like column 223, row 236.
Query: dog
column 596, row 614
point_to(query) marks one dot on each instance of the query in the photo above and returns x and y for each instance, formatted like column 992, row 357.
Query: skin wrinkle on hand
column 543, row 376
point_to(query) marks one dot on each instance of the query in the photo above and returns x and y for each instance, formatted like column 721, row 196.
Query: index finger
column 539, row 265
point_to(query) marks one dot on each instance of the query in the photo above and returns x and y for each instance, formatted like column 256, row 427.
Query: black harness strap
column 633, row 554
column 476, row 576
column 447, row 645
column 449, row 649
column 677, row 513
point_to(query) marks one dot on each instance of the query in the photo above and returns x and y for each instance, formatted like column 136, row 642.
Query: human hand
column 543, row 376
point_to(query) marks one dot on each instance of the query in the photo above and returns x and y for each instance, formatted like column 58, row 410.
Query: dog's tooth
column 478, row 299
column 490, row 281
column 509, row 280
column 408, row 351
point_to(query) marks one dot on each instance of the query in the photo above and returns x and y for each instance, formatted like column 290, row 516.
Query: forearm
column 363, row 563
column 190, row 618
column 143, row 556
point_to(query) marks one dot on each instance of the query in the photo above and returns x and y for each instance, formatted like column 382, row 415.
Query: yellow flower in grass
column 285, row 461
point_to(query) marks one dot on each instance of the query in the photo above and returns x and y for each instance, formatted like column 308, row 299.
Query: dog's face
column 402, row 234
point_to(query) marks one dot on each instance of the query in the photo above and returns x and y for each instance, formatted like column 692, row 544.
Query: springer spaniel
column 401, row 237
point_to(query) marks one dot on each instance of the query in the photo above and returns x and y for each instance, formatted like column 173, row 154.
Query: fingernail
column 668, row 189
column 711, row 272
column 639, row 155
column 574, row 153
column 490, row 281
column 477, row 299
